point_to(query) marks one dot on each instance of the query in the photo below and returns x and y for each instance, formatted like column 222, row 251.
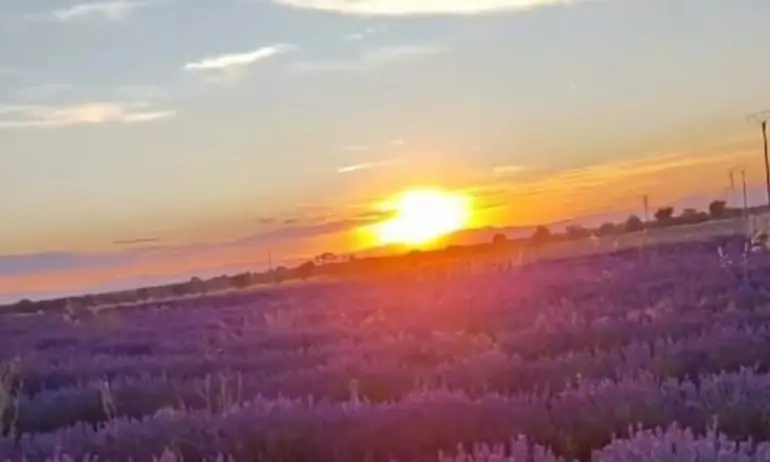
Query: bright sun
column 422, row 216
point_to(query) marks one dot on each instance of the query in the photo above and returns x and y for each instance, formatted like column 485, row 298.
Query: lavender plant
column 567, row 352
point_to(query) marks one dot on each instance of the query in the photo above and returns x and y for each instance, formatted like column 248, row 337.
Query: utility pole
column 731, row 196
column 762, row 118
column 646, row 203
column 749, row 220
column 745, row 195
column 767, row 162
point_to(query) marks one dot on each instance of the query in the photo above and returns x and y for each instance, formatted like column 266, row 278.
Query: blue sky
column 129, row 127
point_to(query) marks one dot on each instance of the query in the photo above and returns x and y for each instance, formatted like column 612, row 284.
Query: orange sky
column 514, row 195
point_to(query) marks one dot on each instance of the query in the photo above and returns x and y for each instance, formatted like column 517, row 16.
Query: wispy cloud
column 367, row 166
column 371, row 60
column 142, row 92
column 361, row 148
column 315, row 230
column 547, row 195
column 47, row 261
column 232, row 66
column 113, row 11
column 43, row 91
column 509, row 169
column 357, row 36
column 421, row 7
column 386, row 55
column 148, row 116
column 141, row 240
column 218, row 63
column 91, row 113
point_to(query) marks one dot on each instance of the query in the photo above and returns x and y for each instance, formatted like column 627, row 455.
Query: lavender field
column 656, row 354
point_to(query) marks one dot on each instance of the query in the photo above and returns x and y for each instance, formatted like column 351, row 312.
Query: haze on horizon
column 148, row 139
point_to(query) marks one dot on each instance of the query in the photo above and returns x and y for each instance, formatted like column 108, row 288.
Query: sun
column 421, row 216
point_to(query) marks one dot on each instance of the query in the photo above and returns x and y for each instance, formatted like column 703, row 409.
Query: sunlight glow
column 422, row 216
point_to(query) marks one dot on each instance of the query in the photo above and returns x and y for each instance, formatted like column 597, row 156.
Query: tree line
column 337, row 264
column 663, row 217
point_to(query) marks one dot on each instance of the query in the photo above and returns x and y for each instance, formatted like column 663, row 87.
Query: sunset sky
column 141, row 140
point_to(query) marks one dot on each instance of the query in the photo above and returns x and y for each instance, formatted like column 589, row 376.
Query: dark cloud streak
column 141, row 240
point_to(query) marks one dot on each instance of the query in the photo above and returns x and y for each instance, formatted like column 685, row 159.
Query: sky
column 142, row 140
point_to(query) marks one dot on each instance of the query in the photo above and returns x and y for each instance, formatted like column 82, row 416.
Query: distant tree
column 157, row 292
column 717, row 209
column 692, row 216
column 576, row 232
column 606, row 229
column 499, row 238
column 689, row 212
column 197, row 286
column 633, row 224
column 664, row 215
column 179, row 290
column 24, row 306
column 127, row 296
column 280, row 273
column 142, row 293
column 242, row 280
column 305, row 270
column 326, row 257
column 260, row 278
column 541, row 234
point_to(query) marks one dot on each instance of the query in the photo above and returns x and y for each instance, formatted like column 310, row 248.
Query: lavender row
column 720, row 348
column 627, row 286
column 512, row 301
column 427, row 348
column 574, row 423
column 674, row 444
